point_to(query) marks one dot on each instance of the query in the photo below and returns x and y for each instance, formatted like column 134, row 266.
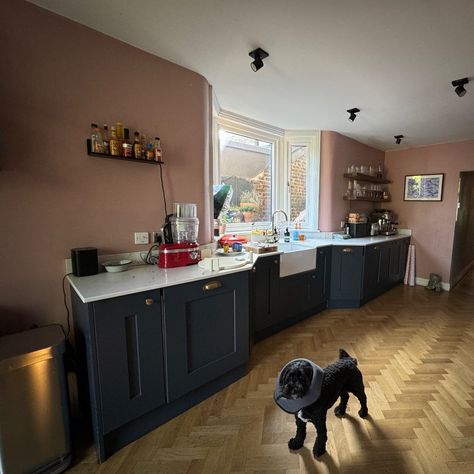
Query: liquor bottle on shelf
column 105, row 138
column 137, row 146
column 157, row 149
column 114, row 143
column 127, row 147
column 97, row 144
column 144, row 142
column 119, row 130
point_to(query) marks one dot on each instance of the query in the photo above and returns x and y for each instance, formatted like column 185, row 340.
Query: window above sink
column 268, row 168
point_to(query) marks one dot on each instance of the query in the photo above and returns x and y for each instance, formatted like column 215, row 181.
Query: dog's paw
column 295, row 444
column 318, row 451
column 340, row 412
column 363, row 412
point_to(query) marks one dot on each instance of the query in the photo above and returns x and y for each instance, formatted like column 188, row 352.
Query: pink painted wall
column 58, row 76
column 432, row 223
column 337, row 153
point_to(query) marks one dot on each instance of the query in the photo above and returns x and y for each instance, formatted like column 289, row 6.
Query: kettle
column 374, row 228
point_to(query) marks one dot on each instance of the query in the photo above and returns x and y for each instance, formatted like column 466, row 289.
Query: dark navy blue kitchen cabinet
column 265, row 290
column 359, row 274
column 347, row 266
column 280, row 302
column 319, row 290
column 146, row 357
column 206, row 331
column 129, row 352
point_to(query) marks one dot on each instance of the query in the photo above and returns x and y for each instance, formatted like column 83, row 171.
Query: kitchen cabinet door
column 265, row 302
column 129, row 355
column 346, row 276
column 395, row 262
column 321, row 278
column 372, row 271
column 206, row 331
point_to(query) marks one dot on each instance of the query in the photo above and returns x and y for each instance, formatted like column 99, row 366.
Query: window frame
column 281, row 141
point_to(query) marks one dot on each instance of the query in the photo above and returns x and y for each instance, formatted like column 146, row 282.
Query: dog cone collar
column 291, row 405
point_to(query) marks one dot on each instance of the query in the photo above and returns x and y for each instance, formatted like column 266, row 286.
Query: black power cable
column 163, row 189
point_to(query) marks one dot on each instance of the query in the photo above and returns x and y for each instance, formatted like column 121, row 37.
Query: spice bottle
column 127, row 147
column 105, row 138
column 137, row 146
column 96, row 139
column 150, row 152
column 114, row 143
column 157, row 149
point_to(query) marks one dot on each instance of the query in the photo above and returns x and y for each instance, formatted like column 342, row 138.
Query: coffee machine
column 385, row 220
column 180, row 233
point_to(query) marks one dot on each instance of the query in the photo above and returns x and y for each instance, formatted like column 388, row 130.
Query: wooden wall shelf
column 366, row 199
column 366, row 177
column 121, row 158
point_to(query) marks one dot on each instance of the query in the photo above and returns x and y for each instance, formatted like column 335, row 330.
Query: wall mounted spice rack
column 121, row 158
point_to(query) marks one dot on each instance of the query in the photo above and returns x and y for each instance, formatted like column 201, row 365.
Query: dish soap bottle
column 286, row 235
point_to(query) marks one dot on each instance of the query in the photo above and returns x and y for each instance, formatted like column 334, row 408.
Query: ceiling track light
column 459, row 86
column 398, row 139
column 258, row 55
column 352, row 113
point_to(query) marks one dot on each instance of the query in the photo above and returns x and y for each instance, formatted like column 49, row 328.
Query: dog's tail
column 344, row 355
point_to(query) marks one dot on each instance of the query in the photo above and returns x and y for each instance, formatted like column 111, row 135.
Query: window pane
column 298, row 181
column 246, row 164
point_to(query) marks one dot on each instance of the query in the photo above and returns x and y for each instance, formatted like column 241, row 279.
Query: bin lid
column 29, row 347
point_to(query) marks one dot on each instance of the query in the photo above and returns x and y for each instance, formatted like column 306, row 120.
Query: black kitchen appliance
column 359, row 229
column 84, row 261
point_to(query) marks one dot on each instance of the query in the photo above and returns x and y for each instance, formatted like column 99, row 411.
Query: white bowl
column 115, row 266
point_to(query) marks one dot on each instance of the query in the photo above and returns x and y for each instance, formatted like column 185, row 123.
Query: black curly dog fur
column 340, row 378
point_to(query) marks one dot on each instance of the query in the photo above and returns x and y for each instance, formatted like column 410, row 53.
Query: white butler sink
column 296, row 258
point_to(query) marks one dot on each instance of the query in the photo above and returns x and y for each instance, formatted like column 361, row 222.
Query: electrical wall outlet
column 142, row 238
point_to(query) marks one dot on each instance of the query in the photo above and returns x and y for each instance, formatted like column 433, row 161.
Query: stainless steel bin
column 34, row 419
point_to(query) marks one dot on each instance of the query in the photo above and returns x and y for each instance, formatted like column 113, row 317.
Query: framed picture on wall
column 424, row 187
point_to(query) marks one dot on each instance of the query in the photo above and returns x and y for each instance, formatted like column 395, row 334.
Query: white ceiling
column 393, row 59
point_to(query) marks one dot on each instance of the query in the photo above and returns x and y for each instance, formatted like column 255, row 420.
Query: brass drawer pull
column 212, row 285
column 149, row 301
column 347, row 250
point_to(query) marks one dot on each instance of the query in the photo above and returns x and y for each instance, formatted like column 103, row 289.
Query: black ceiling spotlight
column 352, row 113
column 459, row 86
column 398, row 139
column 258, row 55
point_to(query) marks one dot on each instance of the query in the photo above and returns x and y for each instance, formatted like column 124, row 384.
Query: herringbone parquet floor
column 416, row 351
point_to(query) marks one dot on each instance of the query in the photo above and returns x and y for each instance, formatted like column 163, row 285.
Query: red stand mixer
column 180, row 235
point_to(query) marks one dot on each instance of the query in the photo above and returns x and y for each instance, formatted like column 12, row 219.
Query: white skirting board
column 424, row 282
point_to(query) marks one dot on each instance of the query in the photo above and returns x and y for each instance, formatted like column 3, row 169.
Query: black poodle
column 307, row 391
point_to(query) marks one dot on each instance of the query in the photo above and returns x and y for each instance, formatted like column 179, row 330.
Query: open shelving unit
column 121, row 158
column 369, row 179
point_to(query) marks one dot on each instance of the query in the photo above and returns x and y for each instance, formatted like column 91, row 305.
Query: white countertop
column 140, row 278
column 150, row 277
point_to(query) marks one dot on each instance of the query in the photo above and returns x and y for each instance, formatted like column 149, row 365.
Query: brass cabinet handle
column 212, row 285
column 347, row 250
column 375, row 247
column 254, row 269
column 149, row 301
column 275, row 261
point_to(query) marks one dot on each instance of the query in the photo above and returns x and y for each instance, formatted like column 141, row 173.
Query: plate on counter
column 228, row 254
